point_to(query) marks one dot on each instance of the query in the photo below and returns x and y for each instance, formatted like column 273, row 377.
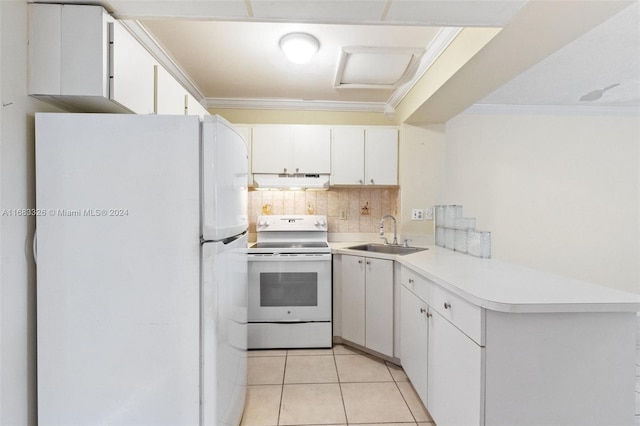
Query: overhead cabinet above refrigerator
column 82, row 59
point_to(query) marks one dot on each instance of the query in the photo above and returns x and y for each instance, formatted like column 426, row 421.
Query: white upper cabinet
column 364, row 156
column 381, row 156
column 61, row 63
column 196, row 108
column 84, row 60
column 347, row 156
column 312, row 149
column 131, row 82
column 272, row 150
column 291, row 149
column 172, row 98
column 170, row 95
column 245, row 131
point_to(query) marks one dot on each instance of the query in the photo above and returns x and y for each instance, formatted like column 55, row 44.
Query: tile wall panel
column 356, row 202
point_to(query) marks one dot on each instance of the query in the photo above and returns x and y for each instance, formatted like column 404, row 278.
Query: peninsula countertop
column 506, row 287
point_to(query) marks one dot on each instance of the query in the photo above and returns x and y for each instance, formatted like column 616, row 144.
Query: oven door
column 289, row 287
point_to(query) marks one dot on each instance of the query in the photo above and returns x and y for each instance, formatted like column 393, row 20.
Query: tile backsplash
column 363, row 207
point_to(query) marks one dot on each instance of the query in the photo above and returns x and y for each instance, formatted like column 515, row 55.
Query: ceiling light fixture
column 299, row 47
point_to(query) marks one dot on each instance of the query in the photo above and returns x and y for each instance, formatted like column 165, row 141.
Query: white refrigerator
column 141, row 270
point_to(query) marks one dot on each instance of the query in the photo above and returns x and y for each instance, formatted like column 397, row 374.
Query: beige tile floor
column 339, row 386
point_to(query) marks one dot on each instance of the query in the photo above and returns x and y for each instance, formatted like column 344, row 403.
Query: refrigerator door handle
column 229, row 240
column 35, row 246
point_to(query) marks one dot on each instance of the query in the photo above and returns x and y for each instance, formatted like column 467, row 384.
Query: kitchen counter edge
column 505, row 287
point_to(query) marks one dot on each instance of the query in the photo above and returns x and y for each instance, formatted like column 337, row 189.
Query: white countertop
column 506, row 287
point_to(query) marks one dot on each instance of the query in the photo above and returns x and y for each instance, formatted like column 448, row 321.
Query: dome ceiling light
column 299, row 47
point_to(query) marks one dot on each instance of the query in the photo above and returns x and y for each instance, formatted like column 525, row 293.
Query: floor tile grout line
column 344, row 407
column 401, row 394
column 284, row 373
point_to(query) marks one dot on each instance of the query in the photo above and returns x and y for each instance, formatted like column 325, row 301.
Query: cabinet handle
column 360, row 181
column 429, row 314
column 285, row 170
column 360, row 262
column 423, row 310
column 297, row 169
column 372, row 182
column 411, row 281
column 447, row 305
column 368, row 262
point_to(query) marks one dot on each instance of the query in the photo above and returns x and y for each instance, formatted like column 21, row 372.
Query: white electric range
column 290, row 283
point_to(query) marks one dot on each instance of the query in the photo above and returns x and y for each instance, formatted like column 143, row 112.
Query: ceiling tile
column 453, row 13
column 373, row 67
column 211, row 9
column 325, row 11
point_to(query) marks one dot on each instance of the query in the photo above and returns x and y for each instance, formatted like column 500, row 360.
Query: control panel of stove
column 291, row 223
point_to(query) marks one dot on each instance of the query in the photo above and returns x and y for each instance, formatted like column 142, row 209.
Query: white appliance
column 290, row 283
column 141, row 270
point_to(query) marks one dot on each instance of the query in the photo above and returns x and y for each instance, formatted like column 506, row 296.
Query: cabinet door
column 132, row 82
column 170, row 95
column 347, row 156
column 353, row 299
column 245, row 132
column 379, row 305
column 414, row 332
column 272, row 149
column 84, row 29
column 60, row 61
column 311, row 149
column 381, row 156
column 455, row 375
column 194, row 107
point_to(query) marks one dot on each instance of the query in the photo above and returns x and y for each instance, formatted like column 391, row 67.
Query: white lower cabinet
column 353, row 295
column 454, row 381
column 367, row 302
column 414, row 334
column 442, row 362
column 472, row 365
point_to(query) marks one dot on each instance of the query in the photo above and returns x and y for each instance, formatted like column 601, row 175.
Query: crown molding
column 295, row 104
column 149, row 42
column 435, row 48
column 588, row 110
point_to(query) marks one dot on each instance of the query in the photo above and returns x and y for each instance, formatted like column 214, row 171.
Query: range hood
column 291, row 181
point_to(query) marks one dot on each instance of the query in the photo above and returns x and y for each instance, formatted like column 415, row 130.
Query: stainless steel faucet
column 395, row 233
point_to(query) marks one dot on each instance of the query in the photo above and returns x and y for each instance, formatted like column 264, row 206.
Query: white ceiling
column 228, row 50
column 241, row 61
column 607, row 57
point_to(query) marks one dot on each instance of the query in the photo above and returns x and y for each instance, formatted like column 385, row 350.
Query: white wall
column 1, row 103
column 18, row 402
column 559, row 193
column 421, row 170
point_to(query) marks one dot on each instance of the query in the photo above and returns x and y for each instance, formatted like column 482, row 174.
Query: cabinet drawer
column 466, row 316
column 416, row 283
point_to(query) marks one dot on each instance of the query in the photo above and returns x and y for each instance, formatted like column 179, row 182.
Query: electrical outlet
column 417, row 214
column 343, row 215
column 429, row 213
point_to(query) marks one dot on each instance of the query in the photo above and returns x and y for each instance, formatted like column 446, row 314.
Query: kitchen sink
column 387, row 249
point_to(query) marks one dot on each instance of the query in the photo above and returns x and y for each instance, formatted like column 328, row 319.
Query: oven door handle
column 288, row 258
